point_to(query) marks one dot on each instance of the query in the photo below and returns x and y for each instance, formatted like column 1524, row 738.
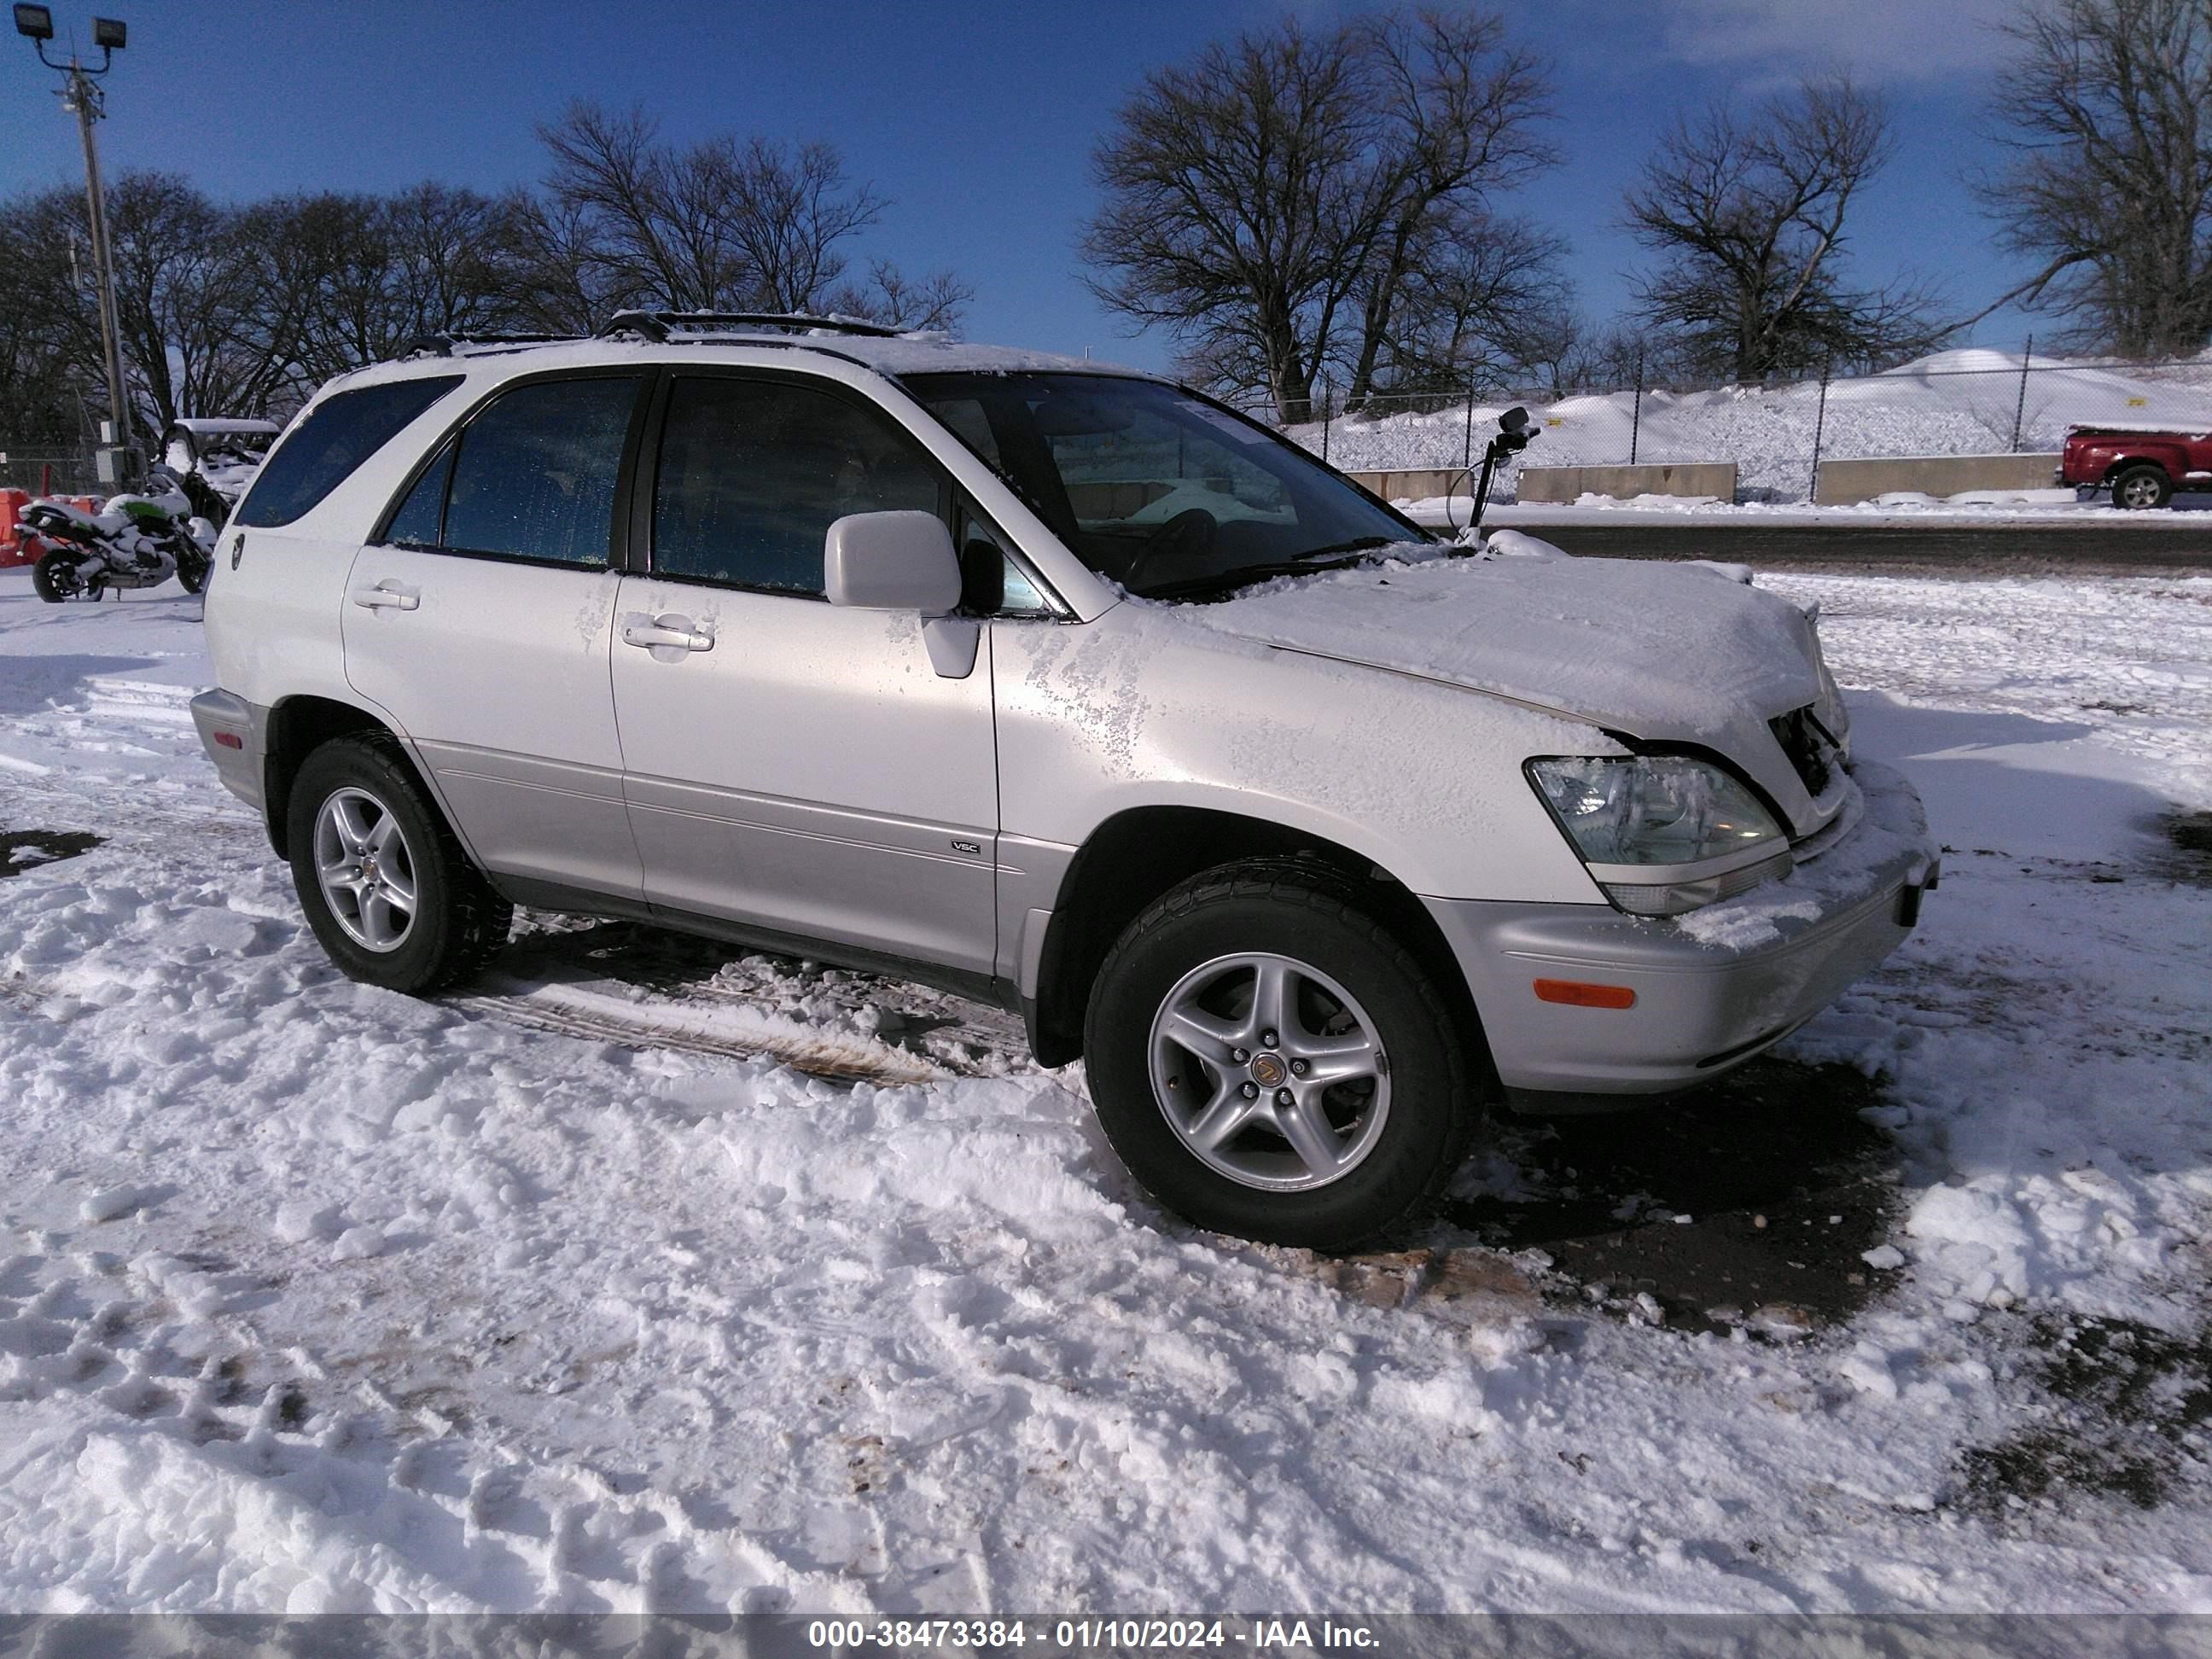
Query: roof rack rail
column 659, row 325
column 443, row 346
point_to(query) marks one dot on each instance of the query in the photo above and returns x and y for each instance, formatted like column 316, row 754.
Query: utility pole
column 81, row 96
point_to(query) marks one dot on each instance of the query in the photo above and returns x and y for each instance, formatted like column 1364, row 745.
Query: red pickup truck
column 2142, row 468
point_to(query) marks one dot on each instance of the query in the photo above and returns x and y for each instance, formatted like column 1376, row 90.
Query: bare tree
column 2107, row 106
column 1274, row 202
column 246, row 309
column 451, row 260
column 560, row 283
column 1461, row 115
column 344, row 280
column 1748, row 216
column 42, row 381
column 180, row 293
column 715, row 226
column 937, row 301
column 793, row 208
column 659, row 221
column 1479, row 297
column 1232, row 189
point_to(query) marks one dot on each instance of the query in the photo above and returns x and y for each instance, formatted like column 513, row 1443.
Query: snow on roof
column 207, row 427
column 934, row 353
column 904, row 354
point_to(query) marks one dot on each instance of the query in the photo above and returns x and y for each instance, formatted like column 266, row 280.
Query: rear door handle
column 388, row 594
column 667, row 632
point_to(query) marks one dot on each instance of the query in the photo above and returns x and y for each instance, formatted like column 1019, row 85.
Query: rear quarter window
column 339, row 434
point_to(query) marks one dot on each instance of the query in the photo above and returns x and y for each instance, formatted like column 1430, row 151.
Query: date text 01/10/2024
column 1080, row 1635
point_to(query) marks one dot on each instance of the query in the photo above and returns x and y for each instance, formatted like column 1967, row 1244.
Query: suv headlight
column 1662, row 833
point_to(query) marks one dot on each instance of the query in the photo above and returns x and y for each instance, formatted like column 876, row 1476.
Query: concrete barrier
column 1845, row 484
column 1413, row 484
column 1567, row 484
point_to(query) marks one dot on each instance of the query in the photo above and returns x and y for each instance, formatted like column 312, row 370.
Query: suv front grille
column 1806, row 745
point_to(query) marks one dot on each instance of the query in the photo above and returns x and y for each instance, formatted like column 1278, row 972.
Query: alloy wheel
column 1269, row 1071
column 366, row 869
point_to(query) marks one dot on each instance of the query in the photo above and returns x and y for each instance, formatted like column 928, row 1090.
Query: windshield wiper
column 1244, row 575
column 1357, row 544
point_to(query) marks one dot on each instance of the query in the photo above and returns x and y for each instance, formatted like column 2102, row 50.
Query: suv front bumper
column 1712, row 988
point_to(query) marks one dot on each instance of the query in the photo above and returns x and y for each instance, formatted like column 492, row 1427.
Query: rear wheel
column 1269, row 1061
column 59, row 575
column 384, row 884
column 2140, row 487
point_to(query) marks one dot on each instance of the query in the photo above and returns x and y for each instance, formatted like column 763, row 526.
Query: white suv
column 1059, row 686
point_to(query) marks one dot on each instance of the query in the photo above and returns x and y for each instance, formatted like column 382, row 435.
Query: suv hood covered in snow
column 1656, row 650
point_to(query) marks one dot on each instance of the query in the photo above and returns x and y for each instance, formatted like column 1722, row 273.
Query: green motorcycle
column 135, row 541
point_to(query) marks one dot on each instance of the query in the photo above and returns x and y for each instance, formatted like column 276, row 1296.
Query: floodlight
column 109, row 34
column 37, row 21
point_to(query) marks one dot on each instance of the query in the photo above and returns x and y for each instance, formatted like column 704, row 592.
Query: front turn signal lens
column 1580, row 994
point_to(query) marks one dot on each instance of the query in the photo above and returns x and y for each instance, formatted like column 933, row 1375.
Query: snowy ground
column 316, row 1297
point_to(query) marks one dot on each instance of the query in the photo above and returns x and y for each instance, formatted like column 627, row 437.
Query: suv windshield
column 1166, row 493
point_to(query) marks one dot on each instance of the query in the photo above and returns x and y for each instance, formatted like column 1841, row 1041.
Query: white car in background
column 1311, row 835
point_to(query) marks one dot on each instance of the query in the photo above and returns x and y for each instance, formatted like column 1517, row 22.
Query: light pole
column 81, row 97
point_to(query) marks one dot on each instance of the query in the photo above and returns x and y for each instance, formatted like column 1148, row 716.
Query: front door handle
column 388, row 594
column 668, row 632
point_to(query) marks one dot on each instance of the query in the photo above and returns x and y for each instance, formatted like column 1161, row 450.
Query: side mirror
column 899, row 561
column 1513, row 419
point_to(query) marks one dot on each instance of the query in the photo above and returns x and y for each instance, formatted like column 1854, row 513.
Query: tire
column 1395, row 1130
column 357, row 804
column 2139, row 489
column 192, row 569
column 58, row 578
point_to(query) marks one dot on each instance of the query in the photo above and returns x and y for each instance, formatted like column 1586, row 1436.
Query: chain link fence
column 52, row 471
column 1957, row 403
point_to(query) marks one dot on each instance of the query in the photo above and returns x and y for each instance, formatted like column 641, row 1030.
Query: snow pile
column 1953, row 402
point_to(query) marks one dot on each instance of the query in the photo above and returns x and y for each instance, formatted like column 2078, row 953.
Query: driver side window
column 753, row 473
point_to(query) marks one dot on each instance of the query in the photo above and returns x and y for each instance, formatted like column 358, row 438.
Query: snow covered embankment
column 1953, row 403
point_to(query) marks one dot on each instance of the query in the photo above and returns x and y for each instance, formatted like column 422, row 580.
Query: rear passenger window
column 418, row 521
column 754, row 472
column 534, row 477
column 339, row 433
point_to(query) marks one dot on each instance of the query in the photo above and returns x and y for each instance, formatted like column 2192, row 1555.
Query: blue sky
column 977, row 118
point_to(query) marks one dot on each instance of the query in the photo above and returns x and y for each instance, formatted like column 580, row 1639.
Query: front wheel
column 1271, row 1063
column 387, row 887
column 192, row 569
